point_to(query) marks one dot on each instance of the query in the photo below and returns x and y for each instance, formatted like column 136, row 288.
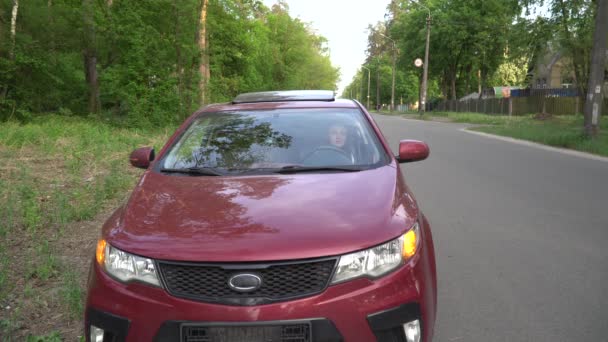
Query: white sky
column 344, row 24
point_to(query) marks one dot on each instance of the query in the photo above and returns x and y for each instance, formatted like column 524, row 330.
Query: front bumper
column 358, row 310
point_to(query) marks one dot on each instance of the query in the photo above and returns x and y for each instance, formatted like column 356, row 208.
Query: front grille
column 279, row 333
column 280, row 281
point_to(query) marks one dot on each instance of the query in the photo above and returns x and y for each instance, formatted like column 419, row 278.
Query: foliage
column 573, row 21
column 52, row 337
column 510, row 73
column 148, row 56
column 477, row 43
column 271, row 51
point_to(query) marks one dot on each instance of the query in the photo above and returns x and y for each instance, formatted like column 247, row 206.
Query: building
column 552, row 71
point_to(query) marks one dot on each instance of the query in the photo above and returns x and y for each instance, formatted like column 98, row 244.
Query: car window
column 244, row 140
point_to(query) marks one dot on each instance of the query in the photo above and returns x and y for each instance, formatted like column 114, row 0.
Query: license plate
column 261, row 333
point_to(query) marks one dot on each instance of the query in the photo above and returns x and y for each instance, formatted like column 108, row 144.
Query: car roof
column 285, row 95
column 283, row 100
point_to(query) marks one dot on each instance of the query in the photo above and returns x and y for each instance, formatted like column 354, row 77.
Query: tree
column 512, row 72
column 150, row 62
column 14, row 12
column 90, row 56
column 202, row 45
column 593, row 105
column 469, row 38
column 570, row 26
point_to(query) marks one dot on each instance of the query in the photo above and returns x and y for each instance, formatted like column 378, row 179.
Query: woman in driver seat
column 338, row 136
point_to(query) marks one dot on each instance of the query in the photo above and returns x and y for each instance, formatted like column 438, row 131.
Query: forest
column 150, row 62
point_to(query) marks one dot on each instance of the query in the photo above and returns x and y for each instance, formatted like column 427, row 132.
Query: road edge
column 538, row 145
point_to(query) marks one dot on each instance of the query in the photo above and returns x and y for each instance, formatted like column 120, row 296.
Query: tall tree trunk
column 14, row 27
column 51, row 26
column 178, row 61
column 445, row 87
column 468, row 72
column 1, row 21
column 4, row 89
column 484, row 73
column 453, row 83
column 190, row 89
column 90, row 57
column 593, row 105
column 203, row 45
column 479, row 82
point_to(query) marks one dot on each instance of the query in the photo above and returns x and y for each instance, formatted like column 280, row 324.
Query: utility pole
column 593, row 104
column 394, row 61
column 425, row 72
column 378, row 86
column 361, row 90
column 369, row 75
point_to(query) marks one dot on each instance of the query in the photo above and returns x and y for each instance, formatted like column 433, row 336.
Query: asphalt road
column 521, row 235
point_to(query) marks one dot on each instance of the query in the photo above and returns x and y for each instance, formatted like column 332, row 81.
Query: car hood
column 261, row 218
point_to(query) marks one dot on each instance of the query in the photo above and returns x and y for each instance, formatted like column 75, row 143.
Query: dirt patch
column 38, row 249
column 40, row 303
column 543, row 116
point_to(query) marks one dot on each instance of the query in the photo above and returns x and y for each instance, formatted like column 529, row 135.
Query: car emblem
column 245, row 282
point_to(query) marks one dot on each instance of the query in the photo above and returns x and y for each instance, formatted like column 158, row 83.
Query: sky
column 344, row 24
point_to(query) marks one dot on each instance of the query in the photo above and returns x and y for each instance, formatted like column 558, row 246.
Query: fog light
column 96, row 334
column 412, row 331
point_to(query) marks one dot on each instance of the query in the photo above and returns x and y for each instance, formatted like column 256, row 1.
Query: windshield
column 246, row 140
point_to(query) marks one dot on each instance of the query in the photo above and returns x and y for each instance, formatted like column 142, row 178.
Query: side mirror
column 412, row 150
column 142, row 157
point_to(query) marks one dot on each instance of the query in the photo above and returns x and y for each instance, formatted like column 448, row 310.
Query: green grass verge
column 474, row 118
column 558, row 131
column 54, row 171
column 388, row 112
column 561, row 131
column 477, row 118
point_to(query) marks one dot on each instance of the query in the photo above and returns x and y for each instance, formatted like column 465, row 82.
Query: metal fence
column 517, row 105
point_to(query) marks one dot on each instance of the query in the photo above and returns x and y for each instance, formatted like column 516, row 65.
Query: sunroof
column 287, row 95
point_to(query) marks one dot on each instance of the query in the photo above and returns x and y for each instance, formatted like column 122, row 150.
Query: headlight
column 124, row 266
column 379, row 260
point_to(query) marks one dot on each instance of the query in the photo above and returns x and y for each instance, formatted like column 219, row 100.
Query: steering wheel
column 327, row 155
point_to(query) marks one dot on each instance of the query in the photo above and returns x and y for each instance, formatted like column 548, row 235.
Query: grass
column 561, row 131
column 477, row 118
column 558, row 131
column 55, row 172
column 72, row 293
column 52, row 337
column 474, row 118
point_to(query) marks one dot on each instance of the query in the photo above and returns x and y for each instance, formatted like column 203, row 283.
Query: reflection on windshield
column 276, row 138
column 222, row 217
column 228, row 142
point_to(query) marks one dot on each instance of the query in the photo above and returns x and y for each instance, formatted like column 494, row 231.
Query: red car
column 281, row 216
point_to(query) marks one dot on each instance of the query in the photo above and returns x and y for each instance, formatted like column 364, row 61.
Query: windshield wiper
column 299, row 168
column 204, row 171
